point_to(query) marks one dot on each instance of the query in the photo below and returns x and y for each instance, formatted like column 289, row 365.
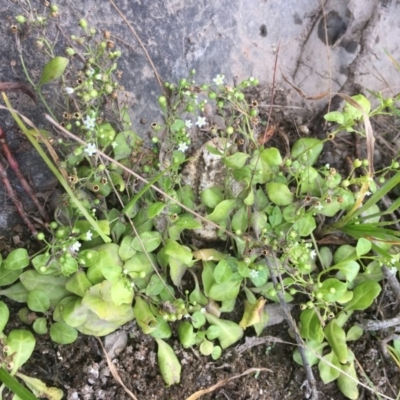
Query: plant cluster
column 119, row 250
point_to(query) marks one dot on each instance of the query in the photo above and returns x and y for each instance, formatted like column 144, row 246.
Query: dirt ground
column 80, row 369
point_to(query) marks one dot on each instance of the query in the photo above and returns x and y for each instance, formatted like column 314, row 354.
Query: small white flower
column 90, row 149
column 313, row 254
column 219, row 79
column 75, row 247
column 89, row 122
column 368, row 193
column 125, row 271
column 203, row 310
column 327, row 166
column 253, row 273
column 182, row 147
column 201, row 121
column 89, row 235
column 187, row 93
column 319, row 206
column 188, row 123
column 69, row 90
column 114, row 144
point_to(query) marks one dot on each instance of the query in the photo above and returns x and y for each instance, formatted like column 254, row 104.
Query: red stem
column 15, row 167
column 13, row 195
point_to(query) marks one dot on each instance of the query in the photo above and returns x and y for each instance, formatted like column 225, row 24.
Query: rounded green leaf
column 17, row 259
column 211, row 197
column 38, row 301
column 74, row 313
column 198, row 319
column 332, row 289
column 271, row 156
column 206, row 347
column 223, row 291
column 334, row 116
column 53, row 69
column 326, row 372
column 230, row 332
column 4, row 315
column 222, row 211
column 363, row 247
column 236, row 160
column 240, row 220
column 168, row 362
column 40, row 326
column 186, row 334
column 21, row 343
column 222, row 272
column 78, row 283
column 146, row 242
column 364, row 294
column 354, row 333
column 61, row 333
column 336, row 337
column 279, row 193
column 310, row 146
column 217, row 351
column 311, row 327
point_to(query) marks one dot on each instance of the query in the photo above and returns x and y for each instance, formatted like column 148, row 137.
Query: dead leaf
column 252, row 313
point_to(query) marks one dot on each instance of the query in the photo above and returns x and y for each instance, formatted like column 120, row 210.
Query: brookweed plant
column 120, row 248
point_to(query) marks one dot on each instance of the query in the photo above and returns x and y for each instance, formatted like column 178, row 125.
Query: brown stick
column 13, row 195
column 15, row 167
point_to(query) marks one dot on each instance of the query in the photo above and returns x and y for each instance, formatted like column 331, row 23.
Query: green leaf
column 271, row 156
column 311, row 326
column 78, row 283
column 144, row 316
column 16, row 292
column 53, row 286
column 354, row 333
column 364, row 294
column 176, row 270
column 222, row 272
column 211, row 197
column 332, row 289
column 74, row 313
column 61, row 333
column 126, row 141
column 198, row 319
column 240, row 220
column 311, row 146
column 326, row 372
column 155, row 209
column 176, row 250
column 149, row 241
column 186, row 334
column 38, row 301
column 230, row 332
column 40, row 326
column 121, row 292
column 336, row 337
column 8, row 276
column 363, row 247
column 17, row 259
column 353, row 112
column 21, row 344
column 306, row 225
column 162, row 331
column 279, row 193
column 236, row 160
column 347, row 270
column 206, row 347
column 335, row 116
column 216, row 353
column 4, row 315
column 225, row 290
column 347, row 385
column 222, row 211
column 312, row 350
column 169, row 364
column 53, row 69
